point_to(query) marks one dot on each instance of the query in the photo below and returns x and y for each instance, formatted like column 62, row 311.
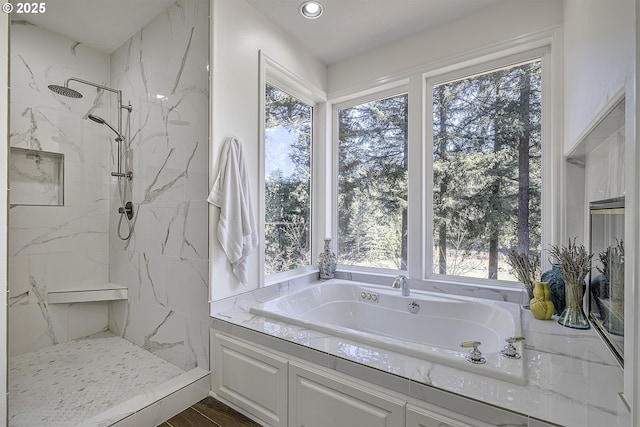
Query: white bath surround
column 571, row 378
column 380, row 316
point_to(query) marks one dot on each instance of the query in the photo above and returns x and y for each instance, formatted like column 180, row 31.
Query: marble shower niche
column 36, row 178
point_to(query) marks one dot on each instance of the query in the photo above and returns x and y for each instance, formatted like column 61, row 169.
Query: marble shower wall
column 163, row 71
column 56, row 247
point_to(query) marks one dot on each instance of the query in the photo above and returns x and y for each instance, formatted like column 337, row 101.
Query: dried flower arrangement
column 575, row 263
column 526, row 268
column 574, row 260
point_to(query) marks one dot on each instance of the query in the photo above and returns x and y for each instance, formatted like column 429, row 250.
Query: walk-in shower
column 81, row 302
column 126, row 207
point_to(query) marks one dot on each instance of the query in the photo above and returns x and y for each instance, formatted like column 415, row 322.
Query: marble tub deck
column 71, row 383
column 572, row 378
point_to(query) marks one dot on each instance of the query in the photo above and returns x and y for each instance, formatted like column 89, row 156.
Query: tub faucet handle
column 474, row 356
column 509, row 349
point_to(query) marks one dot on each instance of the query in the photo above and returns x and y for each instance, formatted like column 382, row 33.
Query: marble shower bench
column 89, row 293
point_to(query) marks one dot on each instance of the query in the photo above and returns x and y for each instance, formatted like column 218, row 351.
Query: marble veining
column 19, row 299
column 572, row 377
column 151, row 345
column 41, row 297
column 69, row 383
column 52, row 234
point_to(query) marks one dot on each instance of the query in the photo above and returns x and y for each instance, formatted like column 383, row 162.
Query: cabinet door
column 250, row 378
column 422, row 417
column 321, row 398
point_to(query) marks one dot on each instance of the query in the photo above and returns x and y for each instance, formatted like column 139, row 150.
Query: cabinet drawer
column 320, row 398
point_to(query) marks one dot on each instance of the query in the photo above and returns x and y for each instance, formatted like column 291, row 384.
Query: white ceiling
column 100, row 24
column 347, row 27
column 351, row 27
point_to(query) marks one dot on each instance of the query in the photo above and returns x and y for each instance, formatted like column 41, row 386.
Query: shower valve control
column 126, row 210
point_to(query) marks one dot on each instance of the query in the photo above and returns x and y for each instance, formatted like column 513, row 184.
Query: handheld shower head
column 65, row 91
column 102, row 121
column 96, row 119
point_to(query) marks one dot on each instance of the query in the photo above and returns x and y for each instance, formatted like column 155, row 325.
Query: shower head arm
column 116, row 91
column 86, row 82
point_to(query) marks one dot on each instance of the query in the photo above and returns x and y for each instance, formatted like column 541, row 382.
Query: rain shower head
column 102, row 121
column 65, row 91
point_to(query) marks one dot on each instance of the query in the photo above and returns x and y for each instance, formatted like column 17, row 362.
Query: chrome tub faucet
column 401, row 282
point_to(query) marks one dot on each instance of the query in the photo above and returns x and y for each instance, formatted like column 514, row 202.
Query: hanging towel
column 237, row 229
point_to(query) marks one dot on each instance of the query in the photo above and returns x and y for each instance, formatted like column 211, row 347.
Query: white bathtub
column 379, row 316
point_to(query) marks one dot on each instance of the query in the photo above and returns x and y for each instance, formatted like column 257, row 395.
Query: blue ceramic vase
column 556, row 287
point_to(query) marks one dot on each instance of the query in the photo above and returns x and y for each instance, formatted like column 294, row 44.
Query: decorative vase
column 327, row 261
column 529, row 287
column 555, row 279
column 573, row 315
column 541, row 306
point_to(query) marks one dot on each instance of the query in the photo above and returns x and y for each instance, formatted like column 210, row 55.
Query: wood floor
column 209, row 413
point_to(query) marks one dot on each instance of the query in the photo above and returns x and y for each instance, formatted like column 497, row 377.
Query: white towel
column 237, row 229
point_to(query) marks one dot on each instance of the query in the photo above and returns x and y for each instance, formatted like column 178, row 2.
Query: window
column 372, row 183
column 287, row 182
column 487, row 170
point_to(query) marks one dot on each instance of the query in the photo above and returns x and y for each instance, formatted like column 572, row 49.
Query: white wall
column 600, row 43
column 599, row 59
column 239, row 33
column 4, row 148
column 447, row 44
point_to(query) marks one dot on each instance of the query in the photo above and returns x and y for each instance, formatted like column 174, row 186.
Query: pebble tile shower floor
column 69, row 383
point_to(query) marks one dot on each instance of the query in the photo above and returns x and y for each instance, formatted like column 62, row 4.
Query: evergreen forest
column 486, row 175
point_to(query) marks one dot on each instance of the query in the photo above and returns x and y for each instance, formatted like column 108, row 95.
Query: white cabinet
column 282, row 391
column 320, row 398
column 251, row 378
column 420, row 416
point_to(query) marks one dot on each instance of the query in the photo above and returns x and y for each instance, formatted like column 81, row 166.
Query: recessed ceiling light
column 311, row 9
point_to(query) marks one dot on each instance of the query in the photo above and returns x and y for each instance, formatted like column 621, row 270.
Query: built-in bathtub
column 380, row 316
